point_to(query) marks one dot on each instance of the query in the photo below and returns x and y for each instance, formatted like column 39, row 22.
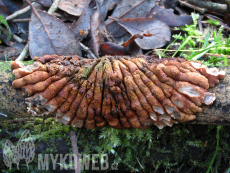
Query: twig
column 19, row 12
column 73, row 140
column 90, row 54
column 20, row 20
column 200, row 23
column 23, row 53
column 17, row 121
column 222, row 8
column 217, row 55
column 53, row 7
column 201, row 10
column 18, row 39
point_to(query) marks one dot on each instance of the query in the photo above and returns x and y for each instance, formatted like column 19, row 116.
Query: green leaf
column 206, row 40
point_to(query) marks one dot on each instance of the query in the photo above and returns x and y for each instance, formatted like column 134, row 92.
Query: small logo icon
column 24, row 149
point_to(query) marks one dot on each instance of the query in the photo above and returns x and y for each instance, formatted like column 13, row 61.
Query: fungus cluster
column 118, row 91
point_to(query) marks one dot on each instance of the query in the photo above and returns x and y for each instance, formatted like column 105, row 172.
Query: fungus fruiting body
column 119, row 91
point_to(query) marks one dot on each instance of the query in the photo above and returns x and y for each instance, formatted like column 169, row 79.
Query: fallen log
column 12, row 101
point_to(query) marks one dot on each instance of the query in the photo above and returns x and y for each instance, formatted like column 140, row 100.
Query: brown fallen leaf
column 113, row 49
column 97, row 32
column 45, row 3
column 81, row 27
column 60, row 39
column 106, row 5
column 160, row 31
column 167, row 16
column 128, row 9
column 73, row 7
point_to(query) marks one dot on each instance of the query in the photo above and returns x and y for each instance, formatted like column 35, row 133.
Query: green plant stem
column 217, row 148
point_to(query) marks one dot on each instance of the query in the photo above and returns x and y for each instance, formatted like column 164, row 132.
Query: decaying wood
column 12, row 101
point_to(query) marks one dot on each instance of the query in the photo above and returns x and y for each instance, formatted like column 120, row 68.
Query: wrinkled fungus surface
column 118, row 91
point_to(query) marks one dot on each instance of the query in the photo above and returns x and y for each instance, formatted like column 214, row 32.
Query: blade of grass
column 170, row 45
column 206, row 40
column 182, row 45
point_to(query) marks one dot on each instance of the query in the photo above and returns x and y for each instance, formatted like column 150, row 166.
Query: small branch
column 90, row 54
column 73, row 140
column 217, row 55
column 19, row 20
column 53, row 7
column 19, row 12
column 23, row 53
column 201, row 10
column 18, row 39
column 222, row 8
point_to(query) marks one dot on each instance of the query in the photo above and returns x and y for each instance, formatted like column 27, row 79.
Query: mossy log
column 12, row 103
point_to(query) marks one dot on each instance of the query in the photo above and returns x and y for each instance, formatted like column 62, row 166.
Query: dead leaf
column 63, row 41
column 82, row 25
column 128, row 9
column 112, row 49
column 134, row 49
column 135, row 36
column 169, row 3
column 73, row 7
column 167, row 16
column 3, row 10
column 45, row 3
column 97, row 31
column 106, row 5
column 160, row 31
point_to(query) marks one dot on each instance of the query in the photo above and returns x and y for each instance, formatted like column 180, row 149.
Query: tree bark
column 12, row 101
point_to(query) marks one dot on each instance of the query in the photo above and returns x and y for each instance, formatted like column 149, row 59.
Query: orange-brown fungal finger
column 31, row 89
column 45, row 58
column 17, row 64
column 195, row 93
column 132, row 67
column 117, row 75
column 192, row 77
column 155, row 104
column 171, row 109
column 97, row 99
column 106, row 111
column 166, row 119
column 213, row 74
column 53, row 104
column 164, row 87
column 81, row 92
column 76, row 122
column 184, row 104
column 175, row 113
column 90, row 121
column 30, row 79
column 41, row 98
column 136, row 97
column 21, row 72
column 156, row 91
column 124, row 121
column 131, row 115
column 91, row 79
column 186, row 117
column 66, row 105
column 81, row 113
column 162, row 76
